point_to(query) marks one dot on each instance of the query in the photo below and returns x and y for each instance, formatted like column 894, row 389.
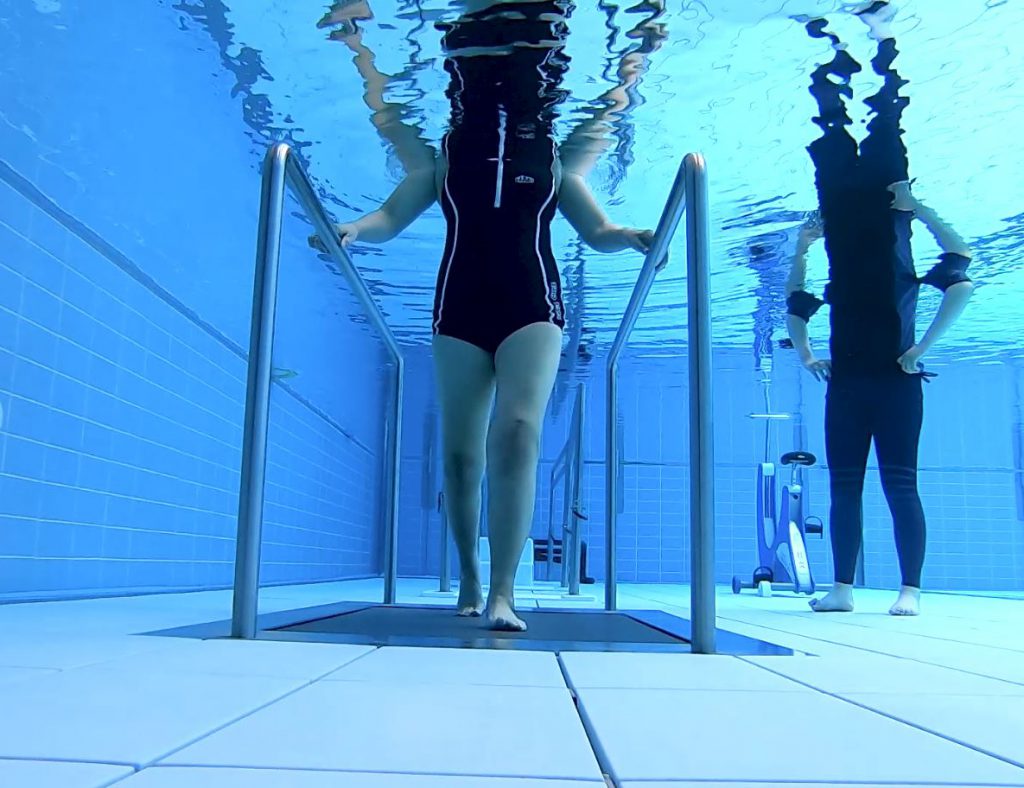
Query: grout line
column 307, row 683
column 880, row 713
column 893, row 656
column 54, row 759
column 603, row 761
column 512, row 779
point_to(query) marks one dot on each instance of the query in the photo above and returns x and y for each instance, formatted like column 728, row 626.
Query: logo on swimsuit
column 524, row 179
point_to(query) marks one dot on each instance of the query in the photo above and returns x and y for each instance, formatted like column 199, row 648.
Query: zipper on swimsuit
column 502, row 118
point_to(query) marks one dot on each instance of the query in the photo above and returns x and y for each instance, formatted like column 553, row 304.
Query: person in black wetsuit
column 498, row 311
column 875, row 374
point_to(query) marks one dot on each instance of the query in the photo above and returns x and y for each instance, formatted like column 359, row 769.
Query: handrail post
column 280, row 171
column 257, row 398
column 577, row 503
column 304, row 191
column 656, row 256
column 702, row 462
column 446, row 564
column 611, row 486
column 393, row 471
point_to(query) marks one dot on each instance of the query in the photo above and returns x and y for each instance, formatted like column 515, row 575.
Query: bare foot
column 471, row 599
column 908, row 604
column 838, row 600
column 501, row 616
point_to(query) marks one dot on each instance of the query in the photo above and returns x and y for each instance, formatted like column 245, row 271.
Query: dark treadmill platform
column 548, row 630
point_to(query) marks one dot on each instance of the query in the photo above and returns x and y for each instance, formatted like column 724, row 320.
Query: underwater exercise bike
column 781, row 532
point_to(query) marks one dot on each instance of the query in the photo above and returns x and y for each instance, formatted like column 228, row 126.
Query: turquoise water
column 131, row 139
column 729, row 80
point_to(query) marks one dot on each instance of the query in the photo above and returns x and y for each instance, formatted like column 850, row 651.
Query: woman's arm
column 949, row 275
column 578, row 205
column 410, row 198
column 954, row 300
column 801, row 305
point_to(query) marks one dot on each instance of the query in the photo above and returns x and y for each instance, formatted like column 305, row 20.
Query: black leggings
column 889, row 409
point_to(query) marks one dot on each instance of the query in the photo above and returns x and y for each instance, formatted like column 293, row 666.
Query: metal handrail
column 573, row 546
column 569, row 466
column 445, row 580
column 281, row 170
column 689, row 189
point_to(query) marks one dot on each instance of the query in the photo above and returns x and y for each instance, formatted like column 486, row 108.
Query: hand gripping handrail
column 282, row 170
column 689, row 190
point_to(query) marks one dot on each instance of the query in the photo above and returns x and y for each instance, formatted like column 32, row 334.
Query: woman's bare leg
column 465, row 386
column 525, row 366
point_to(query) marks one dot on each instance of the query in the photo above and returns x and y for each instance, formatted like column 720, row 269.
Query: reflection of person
column 343, row 15
column 498, row 310
column 875, row 374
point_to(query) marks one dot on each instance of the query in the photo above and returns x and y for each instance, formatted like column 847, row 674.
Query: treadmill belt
column 439, row 626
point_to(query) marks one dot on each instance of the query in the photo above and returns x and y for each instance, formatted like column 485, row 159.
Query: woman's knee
column 513, row 440
column 898, row 481
column 463, row 468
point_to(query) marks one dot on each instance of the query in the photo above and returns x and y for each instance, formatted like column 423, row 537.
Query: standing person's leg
column 897, row 423
column 847, row 443
column 526, row 364
column 465, row 385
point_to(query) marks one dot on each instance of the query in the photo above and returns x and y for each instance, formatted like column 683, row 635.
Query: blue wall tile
column 121, row 441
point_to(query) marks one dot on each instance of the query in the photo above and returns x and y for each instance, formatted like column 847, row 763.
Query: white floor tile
column 994, row 724
column 55, row 774
column 996, row 663
column 871, row 673
column 688, row 735
column 454, row 666
column 244, row 658
column 11, row 675
column 197, row 777
column 61, row 652
column 670, row 671
column 464, row 730
column 89, row 714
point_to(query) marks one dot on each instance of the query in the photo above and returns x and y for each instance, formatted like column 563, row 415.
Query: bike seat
column 798, row 458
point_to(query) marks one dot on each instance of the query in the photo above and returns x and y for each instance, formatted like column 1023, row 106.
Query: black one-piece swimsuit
column 498, row 273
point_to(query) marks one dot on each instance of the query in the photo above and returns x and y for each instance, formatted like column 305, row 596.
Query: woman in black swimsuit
column 498, row 310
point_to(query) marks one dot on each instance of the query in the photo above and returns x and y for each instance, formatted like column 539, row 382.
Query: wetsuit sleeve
column 803, row 305
column 950, row 270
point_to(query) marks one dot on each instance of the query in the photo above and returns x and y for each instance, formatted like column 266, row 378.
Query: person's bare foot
column 838, row 600
column 471, row 598
column 908, row 603
column 501, row 615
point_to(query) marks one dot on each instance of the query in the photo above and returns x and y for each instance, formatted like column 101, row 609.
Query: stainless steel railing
column 689, row 191
column 568, row 466
column 445, row 584
column 281, row 170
